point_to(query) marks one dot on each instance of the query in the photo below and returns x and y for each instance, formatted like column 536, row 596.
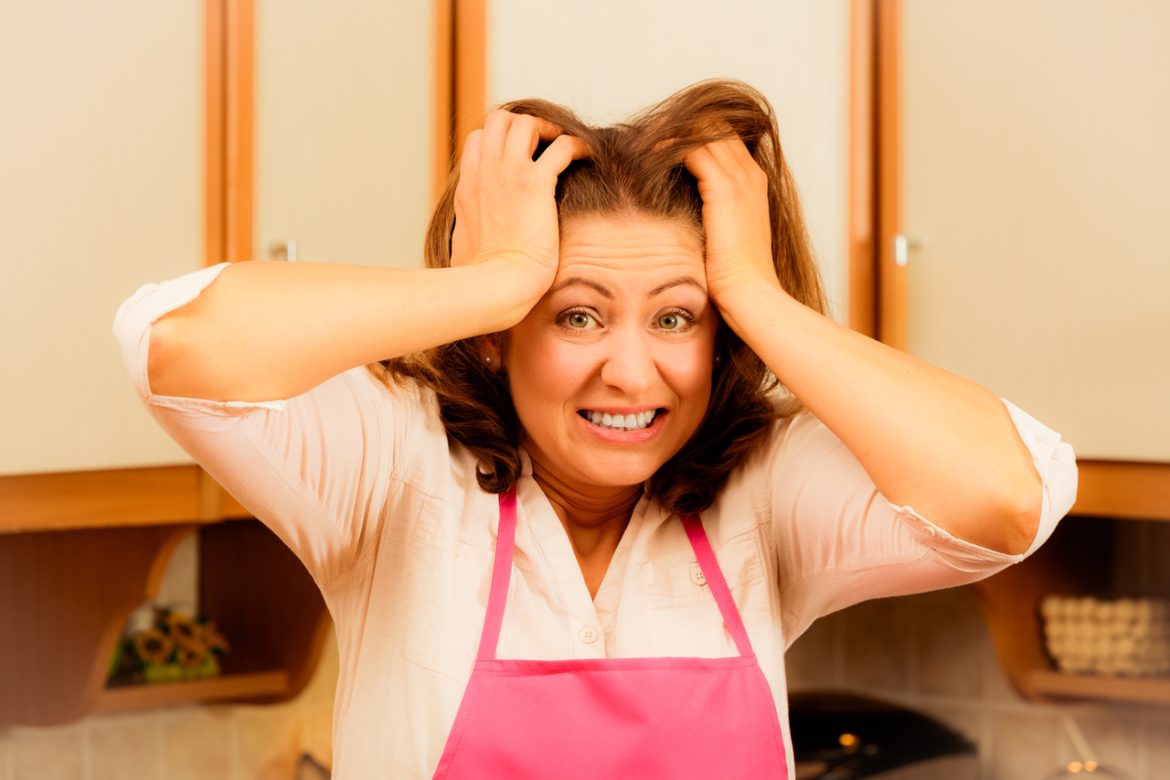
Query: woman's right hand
column 505, row 207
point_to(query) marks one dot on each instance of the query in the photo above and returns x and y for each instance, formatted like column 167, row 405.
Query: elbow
column 172, row 363
column 1020, row 516
column 158, row 359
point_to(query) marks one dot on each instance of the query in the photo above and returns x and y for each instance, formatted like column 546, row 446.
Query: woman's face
column 626, row 329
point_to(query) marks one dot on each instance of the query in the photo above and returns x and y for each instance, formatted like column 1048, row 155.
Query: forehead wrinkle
column 663, row 253
column 613, row 249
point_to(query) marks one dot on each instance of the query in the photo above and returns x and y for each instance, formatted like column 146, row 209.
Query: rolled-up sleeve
column 839, row 541
column 318, row 469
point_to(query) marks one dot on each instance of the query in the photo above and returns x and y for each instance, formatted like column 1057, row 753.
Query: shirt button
column 588, row 635
column 698, row 577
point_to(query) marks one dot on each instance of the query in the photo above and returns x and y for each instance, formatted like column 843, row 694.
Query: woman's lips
column 615, row 436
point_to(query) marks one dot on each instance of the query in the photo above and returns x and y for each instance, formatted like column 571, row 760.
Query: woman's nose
column 629, row 364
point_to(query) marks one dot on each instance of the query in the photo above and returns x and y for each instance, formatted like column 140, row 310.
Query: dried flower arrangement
column 164, row 645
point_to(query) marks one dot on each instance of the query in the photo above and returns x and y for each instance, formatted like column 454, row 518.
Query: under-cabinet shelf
column 223, row 687
column 1050, row 683
column 79, row 552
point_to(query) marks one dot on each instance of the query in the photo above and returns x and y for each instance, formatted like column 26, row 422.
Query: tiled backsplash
column 932, row 652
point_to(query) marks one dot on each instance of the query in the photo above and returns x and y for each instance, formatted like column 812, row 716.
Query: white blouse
column 361, row 482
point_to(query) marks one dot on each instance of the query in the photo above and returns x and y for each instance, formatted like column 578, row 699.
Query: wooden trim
column 862, row 271
column 1135, row 491
column 470, row 66
column 160, row 495
column 214, row 131
column 239, row 101
column 86, row 499
column 892, row 294
column 444, row 98
column 228, row 112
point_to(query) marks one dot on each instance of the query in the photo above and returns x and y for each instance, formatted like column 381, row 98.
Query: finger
column 703, row 165
column 562, row 151
column 495, row 133
column 526, row 133
column 733, row 157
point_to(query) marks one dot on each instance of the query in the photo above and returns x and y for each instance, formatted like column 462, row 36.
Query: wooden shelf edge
column 113, row 498
column 233, row 687
column 1128, row 490
column 1049, row 683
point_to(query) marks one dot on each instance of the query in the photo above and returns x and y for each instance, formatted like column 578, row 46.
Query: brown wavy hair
column 636, row 167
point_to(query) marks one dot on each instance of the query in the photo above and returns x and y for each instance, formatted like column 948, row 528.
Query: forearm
column 267, row 330
column 926, row 437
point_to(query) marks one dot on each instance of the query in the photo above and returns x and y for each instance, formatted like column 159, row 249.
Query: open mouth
column 622, row 422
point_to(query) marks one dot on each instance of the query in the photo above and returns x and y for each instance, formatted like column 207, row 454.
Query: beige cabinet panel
column 101, row 165
column 1035, row 178
column 344, row 129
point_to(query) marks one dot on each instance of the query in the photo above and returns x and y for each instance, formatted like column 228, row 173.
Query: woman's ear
column 490, row 352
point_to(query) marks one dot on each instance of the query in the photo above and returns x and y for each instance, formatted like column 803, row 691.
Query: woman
column 512, row 514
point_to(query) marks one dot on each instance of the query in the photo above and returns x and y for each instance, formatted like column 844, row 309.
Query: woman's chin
column 617, row 471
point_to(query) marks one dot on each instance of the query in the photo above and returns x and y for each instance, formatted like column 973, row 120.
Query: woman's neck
column 593, row 517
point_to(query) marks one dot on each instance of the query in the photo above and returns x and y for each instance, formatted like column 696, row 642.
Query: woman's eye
column 677, row 320
column 578, row 320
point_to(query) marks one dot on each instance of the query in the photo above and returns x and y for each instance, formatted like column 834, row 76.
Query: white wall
column 608, row 58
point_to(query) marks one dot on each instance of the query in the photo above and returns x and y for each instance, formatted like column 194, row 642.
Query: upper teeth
column 623, row 421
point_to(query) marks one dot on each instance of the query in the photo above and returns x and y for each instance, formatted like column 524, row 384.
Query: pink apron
column 614, row 717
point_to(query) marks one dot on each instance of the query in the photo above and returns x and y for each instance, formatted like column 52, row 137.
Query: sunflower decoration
column 167, row 645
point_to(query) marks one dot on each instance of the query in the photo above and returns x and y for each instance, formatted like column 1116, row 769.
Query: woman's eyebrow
column 605, row 291
column 602, row 289
column 675, row 283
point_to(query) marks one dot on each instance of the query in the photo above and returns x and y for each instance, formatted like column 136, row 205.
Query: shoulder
column 798, row 448
column 795, row 435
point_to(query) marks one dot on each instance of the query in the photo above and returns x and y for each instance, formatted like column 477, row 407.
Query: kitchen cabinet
column 1022, row 244
column 1034, row 202
column 102, row 167
column 154, row 139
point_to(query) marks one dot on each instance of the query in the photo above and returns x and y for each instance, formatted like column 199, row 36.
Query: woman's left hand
column 736, row 221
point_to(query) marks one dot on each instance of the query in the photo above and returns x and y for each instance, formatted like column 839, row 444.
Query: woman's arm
column 927, row 438
column 267, row 330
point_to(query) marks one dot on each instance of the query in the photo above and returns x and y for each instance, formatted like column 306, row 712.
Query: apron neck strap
column 502, row 574
column 710, row 567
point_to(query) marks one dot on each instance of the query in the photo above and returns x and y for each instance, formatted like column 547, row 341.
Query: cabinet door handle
column 902, row 246
column 283, row 250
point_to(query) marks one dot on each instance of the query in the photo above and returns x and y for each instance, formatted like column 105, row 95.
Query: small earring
column 488, row 359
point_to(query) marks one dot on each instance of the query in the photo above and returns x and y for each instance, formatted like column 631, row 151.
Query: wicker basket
column 1116, row 637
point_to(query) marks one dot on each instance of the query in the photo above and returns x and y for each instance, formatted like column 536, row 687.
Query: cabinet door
column 343, row 129
column 1035, row 164
column 101, row 163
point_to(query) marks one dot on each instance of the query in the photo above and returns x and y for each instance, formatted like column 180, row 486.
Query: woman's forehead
column 630, row 247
